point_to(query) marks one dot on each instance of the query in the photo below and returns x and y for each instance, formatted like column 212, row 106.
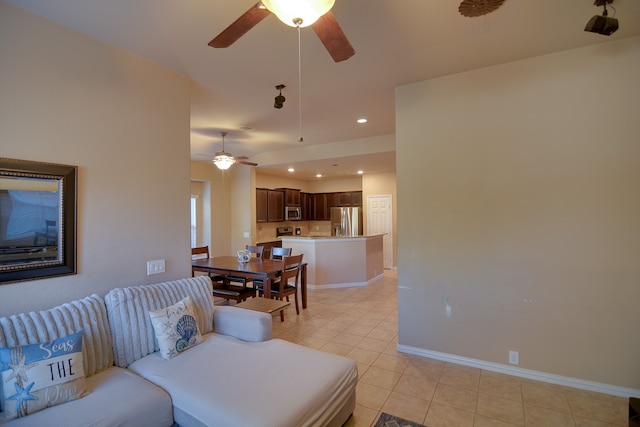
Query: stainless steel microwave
column 292, row 213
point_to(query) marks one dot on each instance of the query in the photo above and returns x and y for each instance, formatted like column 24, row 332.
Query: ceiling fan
column 324, row 24
column 224, row 160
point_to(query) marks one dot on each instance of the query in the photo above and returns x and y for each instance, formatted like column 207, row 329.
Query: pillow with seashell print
column 175, row 328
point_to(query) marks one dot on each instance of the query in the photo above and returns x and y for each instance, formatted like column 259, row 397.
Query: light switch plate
column 155, row 267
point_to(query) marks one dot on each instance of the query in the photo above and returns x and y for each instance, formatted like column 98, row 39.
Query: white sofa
column 238, row 376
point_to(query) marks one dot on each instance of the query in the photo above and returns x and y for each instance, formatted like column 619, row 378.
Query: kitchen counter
column 337, row 262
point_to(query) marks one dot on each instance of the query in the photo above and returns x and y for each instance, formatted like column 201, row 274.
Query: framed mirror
column 37, row 220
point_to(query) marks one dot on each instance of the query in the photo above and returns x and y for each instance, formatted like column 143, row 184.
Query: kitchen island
column 338, row 262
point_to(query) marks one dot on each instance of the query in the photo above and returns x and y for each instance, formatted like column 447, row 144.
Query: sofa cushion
column 176, row 328
column 128, row 313
column 116, row 397
column 36, row 376
column 88, row 314
column 228, row 382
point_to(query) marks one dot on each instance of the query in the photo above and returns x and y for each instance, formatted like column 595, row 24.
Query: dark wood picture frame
column 38, row 220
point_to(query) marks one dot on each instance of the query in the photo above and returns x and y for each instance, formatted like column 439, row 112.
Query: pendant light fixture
column 298, row 13
column 223, row 160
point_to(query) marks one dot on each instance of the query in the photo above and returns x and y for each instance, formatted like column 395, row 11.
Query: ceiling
column 396, row 42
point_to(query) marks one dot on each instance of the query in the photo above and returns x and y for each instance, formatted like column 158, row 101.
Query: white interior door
column 380, row 221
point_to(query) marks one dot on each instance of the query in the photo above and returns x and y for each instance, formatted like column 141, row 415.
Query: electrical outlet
column 514, row 357
column 155, row 267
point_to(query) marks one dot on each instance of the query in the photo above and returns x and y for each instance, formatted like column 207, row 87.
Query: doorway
column 380, row 221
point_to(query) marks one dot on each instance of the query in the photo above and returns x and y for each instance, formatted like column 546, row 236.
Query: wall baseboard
column 345, row 285
column 520, row 372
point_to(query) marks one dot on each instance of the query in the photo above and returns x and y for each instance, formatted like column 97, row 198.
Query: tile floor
column 361, row 323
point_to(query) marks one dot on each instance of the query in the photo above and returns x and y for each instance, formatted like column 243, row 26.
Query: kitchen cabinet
column 261, row 205
column 306, row 206
column 275, row 205
column 356, row 198
column 291, row 196
column 320, row 208
column 270, row 204
column 332, row 201
column 343, row 199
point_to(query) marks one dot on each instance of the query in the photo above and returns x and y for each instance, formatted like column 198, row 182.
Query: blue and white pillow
column 37, row 376
column 176, row 328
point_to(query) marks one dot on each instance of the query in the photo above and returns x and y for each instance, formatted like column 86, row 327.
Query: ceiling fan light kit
column 300, row 13
column 223, row 161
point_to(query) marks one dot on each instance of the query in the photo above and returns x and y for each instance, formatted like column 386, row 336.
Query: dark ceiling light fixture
column 473, row 8
column 602, row 24
column 279, row 101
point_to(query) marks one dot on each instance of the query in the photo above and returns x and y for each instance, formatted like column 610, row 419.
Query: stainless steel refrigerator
column 346, row 222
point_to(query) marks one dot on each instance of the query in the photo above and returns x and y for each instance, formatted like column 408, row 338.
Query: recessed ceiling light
column 319, row 175
column 291, row 170
column 362, row 120
column 360, row 172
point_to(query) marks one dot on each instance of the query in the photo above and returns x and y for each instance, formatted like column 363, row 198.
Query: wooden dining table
column 256, row 268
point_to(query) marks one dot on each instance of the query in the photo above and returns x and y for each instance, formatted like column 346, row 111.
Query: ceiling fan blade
column 240, row 26
column 242, row 162
column 332, row 37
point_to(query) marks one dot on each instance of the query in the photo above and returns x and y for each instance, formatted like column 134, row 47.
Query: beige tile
column 312, row 342
column 336, row 348
column 394, row 363
column 371, row 396
column 381, row 378
column 372, row 344
column 362, row 355
column 456, row 397
column 346, row 338
column 482, row 421
column 535, row 416
column 415, row 386
column 358, row 329
column 461, row 376
column 610, row 410
column 382, row 334
column 324, row 334
column 336, row 325
column 507, row 387
column 500, row 408
column 362, row 417
column 446, row 416
column 424, row 369
column 407, row 407
column 587, row 422
column 544, row 398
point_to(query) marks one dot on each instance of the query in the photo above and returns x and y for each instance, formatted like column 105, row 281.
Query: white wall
column 518, row 199
column 66, row 98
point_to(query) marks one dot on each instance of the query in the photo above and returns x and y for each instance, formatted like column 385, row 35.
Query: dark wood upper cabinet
column 291, row 196
column 261, row 205
column 344, row 199
column 320, row 208
column 306, row 200
column 332, row 201
column 275, row 205
column 356, row 198
column 270, row 204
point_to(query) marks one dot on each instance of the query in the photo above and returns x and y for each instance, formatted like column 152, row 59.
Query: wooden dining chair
column 200, row 252
column 256, row 252
column 282, row 287
column 278, row 253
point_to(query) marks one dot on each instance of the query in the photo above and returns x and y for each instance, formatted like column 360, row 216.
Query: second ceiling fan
column 325, row 25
